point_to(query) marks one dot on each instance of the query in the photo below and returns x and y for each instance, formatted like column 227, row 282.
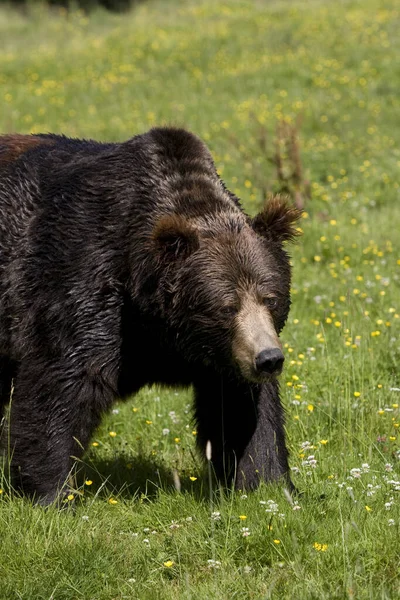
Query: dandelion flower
column 320, row 547
column 169, row 564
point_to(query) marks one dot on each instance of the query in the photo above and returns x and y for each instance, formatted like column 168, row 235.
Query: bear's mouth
column 253, row 375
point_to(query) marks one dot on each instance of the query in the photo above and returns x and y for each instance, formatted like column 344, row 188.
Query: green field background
column 232, row 72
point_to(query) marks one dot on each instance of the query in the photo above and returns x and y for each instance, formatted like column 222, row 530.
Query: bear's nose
column 270, row 360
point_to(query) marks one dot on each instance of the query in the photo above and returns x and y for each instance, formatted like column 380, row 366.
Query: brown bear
column 129, row 264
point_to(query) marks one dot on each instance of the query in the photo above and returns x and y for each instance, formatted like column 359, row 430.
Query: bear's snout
column 256, row 347
column 270, row 361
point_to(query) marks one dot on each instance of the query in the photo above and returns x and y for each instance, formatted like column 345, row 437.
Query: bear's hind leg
column 52, row 417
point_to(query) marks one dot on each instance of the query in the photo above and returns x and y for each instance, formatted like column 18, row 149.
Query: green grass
column 223, row 70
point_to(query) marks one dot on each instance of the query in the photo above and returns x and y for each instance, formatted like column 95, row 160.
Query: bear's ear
column 174, row 237
column 278, row 220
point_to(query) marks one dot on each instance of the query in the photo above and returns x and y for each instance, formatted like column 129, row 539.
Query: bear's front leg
column 7, row 369
column 244, row 423
column 266, row 456
column 53, row 413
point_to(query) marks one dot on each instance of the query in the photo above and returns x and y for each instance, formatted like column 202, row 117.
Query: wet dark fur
column 117, row 265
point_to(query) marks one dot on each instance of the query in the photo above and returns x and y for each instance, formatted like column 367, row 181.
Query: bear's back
column 17, row 149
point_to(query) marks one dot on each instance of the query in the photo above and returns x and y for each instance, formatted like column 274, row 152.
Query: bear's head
column 226, row 285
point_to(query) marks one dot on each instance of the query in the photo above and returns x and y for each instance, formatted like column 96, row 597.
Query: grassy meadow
column 232, row 72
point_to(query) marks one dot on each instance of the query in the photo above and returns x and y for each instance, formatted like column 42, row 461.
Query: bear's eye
column 229, row 310
column 271, row 302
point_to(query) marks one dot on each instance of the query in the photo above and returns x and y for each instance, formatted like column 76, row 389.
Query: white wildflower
column 213, row 564
column 356, row 473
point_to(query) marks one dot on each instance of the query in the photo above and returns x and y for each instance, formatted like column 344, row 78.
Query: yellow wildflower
column 320, row 547
column 169, row 564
